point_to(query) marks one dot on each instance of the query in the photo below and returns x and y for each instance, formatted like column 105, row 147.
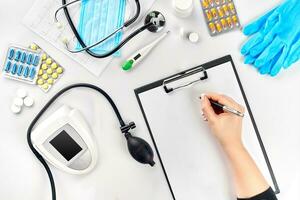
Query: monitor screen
column 65, row 145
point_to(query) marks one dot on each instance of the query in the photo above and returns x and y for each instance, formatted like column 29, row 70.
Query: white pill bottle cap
column 183, row 8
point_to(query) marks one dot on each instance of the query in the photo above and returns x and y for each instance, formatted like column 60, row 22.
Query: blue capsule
column 32, row 73
column 14, row 69
column 11, row 54
column 29, row 59
column 26, row 72
column 36, row 60
column 23, row 58
column 18, row 56
column 20, row 70
column 7, row 67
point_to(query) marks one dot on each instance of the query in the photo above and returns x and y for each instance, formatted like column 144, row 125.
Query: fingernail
column 202, row 95
column 205, row 99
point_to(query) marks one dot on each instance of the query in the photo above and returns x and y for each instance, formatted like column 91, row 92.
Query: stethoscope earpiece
column 58, row 25
column 64, row 40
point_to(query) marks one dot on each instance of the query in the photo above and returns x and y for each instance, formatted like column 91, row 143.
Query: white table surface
column 274, row 102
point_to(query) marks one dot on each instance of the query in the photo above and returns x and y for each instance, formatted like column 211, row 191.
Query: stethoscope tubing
column 124, row 42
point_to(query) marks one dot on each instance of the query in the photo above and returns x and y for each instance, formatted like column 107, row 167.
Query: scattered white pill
column 193, row 37
column 15, row 109
column 21, row 93
column 18, row 101
column 28, row 101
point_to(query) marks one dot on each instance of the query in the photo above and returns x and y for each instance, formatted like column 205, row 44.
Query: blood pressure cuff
column 267, row 195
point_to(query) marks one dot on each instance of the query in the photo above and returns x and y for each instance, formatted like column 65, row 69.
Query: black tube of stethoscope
column 82, row 43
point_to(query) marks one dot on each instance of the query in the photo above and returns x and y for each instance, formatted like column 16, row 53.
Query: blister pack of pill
column 220, row 15
column 49, row 72
column 22, row 64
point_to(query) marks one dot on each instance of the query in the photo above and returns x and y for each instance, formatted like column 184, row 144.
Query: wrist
column 233, row 147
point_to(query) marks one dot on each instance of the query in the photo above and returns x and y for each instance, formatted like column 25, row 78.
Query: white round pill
column 194, row 37
column 15, row 109
column 21, row 93
column 28, row 101
column 18, row 101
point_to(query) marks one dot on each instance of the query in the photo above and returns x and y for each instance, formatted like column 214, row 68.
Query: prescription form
column 40, row 19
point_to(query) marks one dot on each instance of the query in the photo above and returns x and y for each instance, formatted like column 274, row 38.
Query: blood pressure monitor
column 65, row 140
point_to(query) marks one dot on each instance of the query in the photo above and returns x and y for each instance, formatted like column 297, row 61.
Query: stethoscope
column 154, row 22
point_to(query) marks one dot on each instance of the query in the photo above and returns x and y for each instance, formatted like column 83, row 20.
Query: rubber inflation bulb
column 140, row 150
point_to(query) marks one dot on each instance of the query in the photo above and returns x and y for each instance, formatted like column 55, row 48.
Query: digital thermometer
column 138, row 56
column 65, row 140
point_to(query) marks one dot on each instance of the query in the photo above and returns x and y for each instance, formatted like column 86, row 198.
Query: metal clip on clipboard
column 198, row 70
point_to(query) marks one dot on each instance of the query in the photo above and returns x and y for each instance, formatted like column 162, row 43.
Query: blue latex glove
column 275, row 43
column 260, row 28
column 294, row 55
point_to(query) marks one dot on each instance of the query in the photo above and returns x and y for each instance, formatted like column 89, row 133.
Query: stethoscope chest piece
column 157, row 19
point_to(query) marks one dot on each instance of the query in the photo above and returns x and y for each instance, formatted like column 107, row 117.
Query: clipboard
column 183, row 180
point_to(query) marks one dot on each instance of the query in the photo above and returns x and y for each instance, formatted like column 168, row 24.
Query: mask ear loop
column 128, row 10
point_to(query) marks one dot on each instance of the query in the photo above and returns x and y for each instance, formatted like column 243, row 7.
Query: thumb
column 207, row 109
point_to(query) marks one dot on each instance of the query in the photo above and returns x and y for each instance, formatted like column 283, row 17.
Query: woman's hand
column 227, row 127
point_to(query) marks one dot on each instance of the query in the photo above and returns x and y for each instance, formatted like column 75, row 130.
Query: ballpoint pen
column 225, row 108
